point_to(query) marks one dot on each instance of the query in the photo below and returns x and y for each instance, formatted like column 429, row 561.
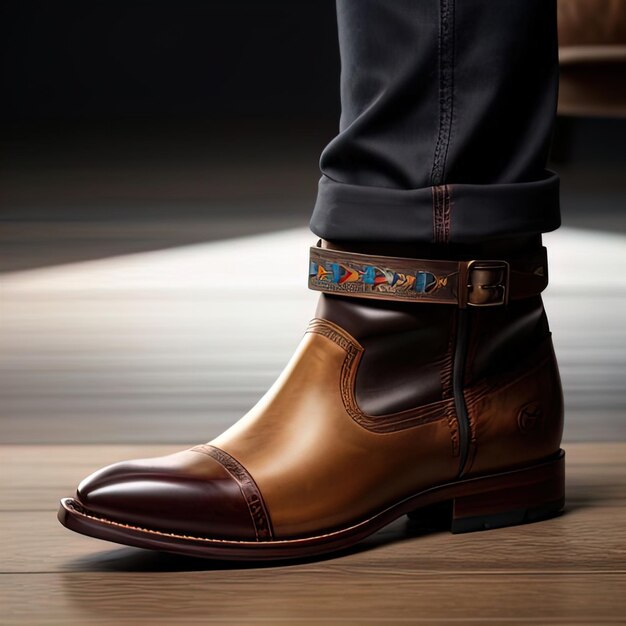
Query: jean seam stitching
column 446, row 89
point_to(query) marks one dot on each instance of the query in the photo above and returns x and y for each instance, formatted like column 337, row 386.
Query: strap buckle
column 486, row 284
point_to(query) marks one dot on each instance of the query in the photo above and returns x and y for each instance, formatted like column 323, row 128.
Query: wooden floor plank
column 582, row 540
column 302, row 595
column 567, row 570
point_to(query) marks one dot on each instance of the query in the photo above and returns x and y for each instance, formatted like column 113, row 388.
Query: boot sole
column 492, row 501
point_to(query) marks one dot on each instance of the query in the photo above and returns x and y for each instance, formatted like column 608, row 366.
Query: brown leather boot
column 419, row 382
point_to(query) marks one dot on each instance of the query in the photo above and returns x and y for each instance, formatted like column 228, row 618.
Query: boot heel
column 516, row 497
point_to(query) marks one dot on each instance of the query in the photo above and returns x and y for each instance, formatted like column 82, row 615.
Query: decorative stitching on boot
column 249, row 489
column 448, row 393
column 390, row 422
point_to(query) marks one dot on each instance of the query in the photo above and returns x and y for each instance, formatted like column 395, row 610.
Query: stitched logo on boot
column 530, row 417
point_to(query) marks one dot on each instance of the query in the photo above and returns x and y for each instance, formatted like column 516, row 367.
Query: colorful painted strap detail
column 375, row 276
column 463, row 283
column 365, row 276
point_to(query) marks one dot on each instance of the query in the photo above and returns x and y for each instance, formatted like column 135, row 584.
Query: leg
column 442, row 101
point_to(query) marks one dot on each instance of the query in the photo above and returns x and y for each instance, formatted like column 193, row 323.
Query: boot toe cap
column 184, row 493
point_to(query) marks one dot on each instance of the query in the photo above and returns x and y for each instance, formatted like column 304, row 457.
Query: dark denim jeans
column 447, row 114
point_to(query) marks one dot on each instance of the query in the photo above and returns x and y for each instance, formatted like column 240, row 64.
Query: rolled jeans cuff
column 442, row 214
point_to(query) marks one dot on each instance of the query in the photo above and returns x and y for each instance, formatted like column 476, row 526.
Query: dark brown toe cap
column 187, row 493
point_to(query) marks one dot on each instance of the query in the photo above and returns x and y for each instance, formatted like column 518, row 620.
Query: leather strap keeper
column 462, row 283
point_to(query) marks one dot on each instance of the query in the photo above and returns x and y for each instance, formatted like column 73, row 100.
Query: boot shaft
column 496, row 363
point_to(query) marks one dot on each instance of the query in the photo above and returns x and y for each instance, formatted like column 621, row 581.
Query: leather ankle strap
column 462, row 283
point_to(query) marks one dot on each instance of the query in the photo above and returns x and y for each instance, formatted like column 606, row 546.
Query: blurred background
column 158, row 167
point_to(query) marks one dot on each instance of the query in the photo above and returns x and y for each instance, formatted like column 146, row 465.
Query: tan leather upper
column 311, row 450
column 310, row 457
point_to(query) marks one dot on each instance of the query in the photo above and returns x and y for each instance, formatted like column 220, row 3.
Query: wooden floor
column 567, row 570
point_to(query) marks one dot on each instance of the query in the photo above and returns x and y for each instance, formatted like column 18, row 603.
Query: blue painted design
column 424, row 281
column 369, row 275
column 337, row 272
column 420, row 282
column 313, row 268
